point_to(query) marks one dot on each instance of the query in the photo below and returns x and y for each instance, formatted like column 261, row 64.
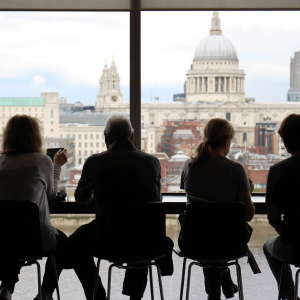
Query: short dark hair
column 22, row 134
column 289, row 131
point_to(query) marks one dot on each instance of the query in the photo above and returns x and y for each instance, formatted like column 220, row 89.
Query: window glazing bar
column 135, row 70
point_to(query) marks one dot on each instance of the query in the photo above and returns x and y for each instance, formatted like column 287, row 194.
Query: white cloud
column 38, row 80
column 74, row 45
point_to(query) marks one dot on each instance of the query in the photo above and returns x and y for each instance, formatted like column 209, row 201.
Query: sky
column 65, row 52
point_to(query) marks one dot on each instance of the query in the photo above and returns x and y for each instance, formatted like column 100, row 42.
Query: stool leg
column 189, row 280
column 296, row 285
column 39, row 280
column 109, row 281
column 96, row 279
column 182, row 278
column 56, row 277
column 240, row 283
column 281, row 280
column 160, row 282
column 151, row 282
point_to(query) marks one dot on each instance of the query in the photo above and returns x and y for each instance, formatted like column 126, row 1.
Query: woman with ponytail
column 210, row 176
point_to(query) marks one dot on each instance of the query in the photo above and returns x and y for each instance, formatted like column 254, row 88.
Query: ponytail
column 201, row 153
column 216, row 132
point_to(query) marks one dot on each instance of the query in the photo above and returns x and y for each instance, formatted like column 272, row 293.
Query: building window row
column 97, row 145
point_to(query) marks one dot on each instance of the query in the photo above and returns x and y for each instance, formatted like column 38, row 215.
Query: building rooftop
column 96, row 119
column 179, row 157
column 22, row 101
column 183, row 134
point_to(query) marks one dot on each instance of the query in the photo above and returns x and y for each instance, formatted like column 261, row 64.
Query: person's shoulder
column 234, row 164
column 286, row 163
column 40, row 157
column 147, row 156
column 186, row 163
column 97, row 157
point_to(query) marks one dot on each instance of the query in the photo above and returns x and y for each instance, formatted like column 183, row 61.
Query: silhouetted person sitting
column 26, row 173
column 282, row 197
column 122, row 174
column 209, row 175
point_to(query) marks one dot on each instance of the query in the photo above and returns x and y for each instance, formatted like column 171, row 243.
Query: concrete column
column 219, row 85
column 202, row 87
column 225, row 84
column 232, row 78
column 198, row 84
column 188, row 85
column 214, row 84
column 243, row 85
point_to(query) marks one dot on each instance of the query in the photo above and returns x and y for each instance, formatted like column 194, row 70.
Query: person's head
column 117, row 128
column 289, row 131
column 22, row 134
column 218, row 134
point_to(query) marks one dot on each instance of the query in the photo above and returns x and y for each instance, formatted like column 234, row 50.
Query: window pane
column 218, row 65
column 71, row 64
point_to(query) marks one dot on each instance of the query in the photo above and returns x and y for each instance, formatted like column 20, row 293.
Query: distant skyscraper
column 294, row 91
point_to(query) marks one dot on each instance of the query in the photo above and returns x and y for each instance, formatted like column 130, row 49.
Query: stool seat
column 128, row 259
column 216, row 261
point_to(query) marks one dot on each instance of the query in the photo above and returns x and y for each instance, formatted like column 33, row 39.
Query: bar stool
column 212, row 235
column 135, row 234
column 20, row 228
column 297, row 265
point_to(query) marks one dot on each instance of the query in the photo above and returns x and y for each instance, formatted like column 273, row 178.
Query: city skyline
column 34, row 62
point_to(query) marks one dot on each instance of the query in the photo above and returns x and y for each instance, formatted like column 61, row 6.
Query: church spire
column 216, row 24
column 105, row 66
column 113, row 61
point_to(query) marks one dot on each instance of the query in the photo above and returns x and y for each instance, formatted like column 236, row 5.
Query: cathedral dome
column 215, row 46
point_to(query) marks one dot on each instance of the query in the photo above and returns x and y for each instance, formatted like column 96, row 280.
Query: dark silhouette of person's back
column 122, row 174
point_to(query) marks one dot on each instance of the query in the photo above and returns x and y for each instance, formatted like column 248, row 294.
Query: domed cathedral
column 215, row 73
column 109, row 88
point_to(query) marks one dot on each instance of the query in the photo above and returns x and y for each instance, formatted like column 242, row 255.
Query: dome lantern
column 216, row 24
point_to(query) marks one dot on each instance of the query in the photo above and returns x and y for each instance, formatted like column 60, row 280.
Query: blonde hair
column 216, row 132
column 22, row 134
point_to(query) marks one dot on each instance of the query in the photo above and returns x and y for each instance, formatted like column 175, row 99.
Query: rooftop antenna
column 152, row 90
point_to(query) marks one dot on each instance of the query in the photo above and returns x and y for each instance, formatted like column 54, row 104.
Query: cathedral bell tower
column 109, row 88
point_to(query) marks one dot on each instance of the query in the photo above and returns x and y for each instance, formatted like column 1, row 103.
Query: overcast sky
column 65, row 52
